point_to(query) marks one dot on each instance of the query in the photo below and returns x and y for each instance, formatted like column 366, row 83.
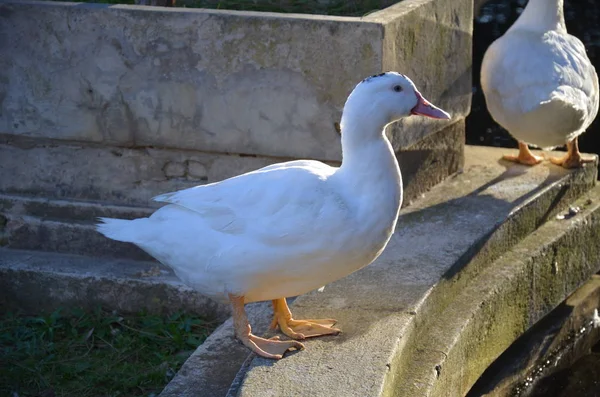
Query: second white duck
column 540, row 85
column 288, row 228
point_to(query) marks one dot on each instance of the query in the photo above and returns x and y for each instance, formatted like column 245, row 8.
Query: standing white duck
column 288, row 228
column 540, row 85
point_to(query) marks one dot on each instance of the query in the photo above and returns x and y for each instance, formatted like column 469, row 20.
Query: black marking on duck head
column 374, row 76
column 381, row 74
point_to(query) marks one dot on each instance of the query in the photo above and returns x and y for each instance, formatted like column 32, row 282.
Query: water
column 582, row 379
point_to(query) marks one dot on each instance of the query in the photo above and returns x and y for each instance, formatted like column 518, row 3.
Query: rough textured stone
column 174, row 170
column 40, row 281
column 430, row 41
column 196, row 170
column 41, row 168
column 431, row 160
column 551, row 346
column 241, row 82
column 34, row 167
column 505, row 300
column 26, row 232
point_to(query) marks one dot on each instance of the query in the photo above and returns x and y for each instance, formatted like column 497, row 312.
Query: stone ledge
column 553, row 344
column 220, row 81
column 379, row 306
column 38, row 168
column 35, row 168
column 34, row 281
column 506, row 299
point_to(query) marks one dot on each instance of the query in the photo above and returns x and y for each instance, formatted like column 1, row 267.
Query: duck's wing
column 279, row 204
column 524, row 71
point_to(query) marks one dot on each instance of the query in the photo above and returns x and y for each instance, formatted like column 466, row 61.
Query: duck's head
column 388, row 97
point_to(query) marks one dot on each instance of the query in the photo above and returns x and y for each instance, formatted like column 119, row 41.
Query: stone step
column 68, row 210
column 64, row 226
column 443, row 241
column 37, row 281
column 553, row 344
column 450, row 351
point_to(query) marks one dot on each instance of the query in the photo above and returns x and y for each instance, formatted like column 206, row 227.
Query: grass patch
column 102, row 353
column 354, row 8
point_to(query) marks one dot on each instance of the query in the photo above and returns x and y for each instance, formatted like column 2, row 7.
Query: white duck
column 540, row 85
column 288, row 228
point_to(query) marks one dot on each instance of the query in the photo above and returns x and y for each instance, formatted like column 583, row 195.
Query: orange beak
column 425, row 108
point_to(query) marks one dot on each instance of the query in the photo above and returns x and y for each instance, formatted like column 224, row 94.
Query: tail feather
column 120, row 229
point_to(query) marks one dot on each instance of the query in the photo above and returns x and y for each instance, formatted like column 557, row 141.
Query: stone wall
column 187, row 96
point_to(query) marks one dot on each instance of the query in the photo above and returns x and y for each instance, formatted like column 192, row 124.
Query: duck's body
column 539, row 83
column 288, row 228
column 276, row 232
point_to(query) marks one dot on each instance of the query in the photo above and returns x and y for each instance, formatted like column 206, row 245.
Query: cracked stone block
column 174, row 170
column 196, row 170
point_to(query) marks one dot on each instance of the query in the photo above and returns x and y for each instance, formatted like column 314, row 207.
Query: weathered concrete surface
column 430, row 160
column 75, row 211
column 553, row 344
column 508, row 297
column 222, row 81
column 379, row 306
column 96, row 174
column 35, row 281
column 36, row 167
column 65, row 237
column 64, row 226
column 429, row 41
column 131, row 177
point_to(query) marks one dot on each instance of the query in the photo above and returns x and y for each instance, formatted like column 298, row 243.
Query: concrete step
column 443, row 241
column 450, row 351
column 62, row 210
column 64, row 226
column 37, row 281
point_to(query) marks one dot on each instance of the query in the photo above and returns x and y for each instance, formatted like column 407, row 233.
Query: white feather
column 538, row 81
column 288, row 228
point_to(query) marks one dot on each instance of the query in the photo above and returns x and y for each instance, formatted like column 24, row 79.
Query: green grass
column 101, row 353
column 332, row 7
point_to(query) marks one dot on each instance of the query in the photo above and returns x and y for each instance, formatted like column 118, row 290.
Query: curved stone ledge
column 455, row 347
column 444, row 241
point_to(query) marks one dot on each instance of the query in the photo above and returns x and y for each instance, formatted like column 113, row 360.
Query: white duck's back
column 538, row 81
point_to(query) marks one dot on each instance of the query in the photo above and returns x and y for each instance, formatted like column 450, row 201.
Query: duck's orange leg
column 268, row 348
column 573, row 158
column 299, row 329
column 525, row 156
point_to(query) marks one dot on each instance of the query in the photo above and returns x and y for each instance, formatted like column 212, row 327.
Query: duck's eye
column 398, row 88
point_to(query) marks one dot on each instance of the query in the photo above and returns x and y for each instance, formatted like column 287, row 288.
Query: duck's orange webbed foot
column 300, row 329
column 268, row 348
column 525, row 156
column 573, row 157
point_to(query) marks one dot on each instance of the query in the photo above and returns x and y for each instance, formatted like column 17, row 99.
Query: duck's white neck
column 369, row 166
column 359, row 131
column 542, row 16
